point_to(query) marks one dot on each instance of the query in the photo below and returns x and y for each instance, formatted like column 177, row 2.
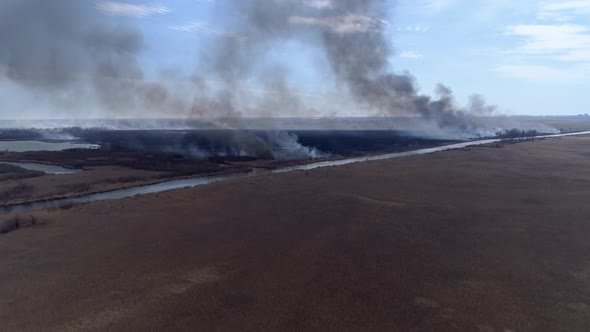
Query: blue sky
column 527, row 57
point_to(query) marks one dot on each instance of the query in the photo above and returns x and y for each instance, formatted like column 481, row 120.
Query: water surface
column 24, row 146
column 199, row 181
column 48, row 169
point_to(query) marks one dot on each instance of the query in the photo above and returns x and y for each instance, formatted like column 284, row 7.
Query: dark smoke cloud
column 361, row 60
column 67, row 50
column 351, row 35
column 65, row 47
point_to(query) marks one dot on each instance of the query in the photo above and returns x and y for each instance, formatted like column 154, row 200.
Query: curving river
column 199, row 181
column 48, row 169
column 24, row 146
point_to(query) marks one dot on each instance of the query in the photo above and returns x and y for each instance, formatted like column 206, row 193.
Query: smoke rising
column 76, row 57
column 352, row 37
column 62, row 47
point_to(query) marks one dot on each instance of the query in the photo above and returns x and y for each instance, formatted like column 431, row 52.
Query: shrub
column 516, row 133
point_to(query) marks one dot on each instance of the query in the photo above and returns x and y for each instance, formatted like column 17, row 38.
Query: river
column 24, row 146
column 199, row 181
column 48, row 169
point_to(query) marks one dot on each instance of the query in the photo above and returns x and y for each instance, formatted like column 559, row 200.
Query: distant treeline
column 19, row 134
column 31, row 134
column 516, row 133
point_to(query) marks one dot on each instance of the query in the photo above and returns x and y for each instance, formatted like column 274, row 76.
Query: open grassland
column 485, row 238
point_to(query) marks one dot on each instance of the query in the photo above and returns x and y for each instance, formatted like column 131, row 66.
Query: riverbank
column 482, row 238
column 230, row 173
column 52, row 186
column 102, row 171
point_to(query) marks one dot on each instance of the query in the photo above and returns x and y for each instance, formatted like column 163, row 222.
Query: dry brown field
column 480, row 239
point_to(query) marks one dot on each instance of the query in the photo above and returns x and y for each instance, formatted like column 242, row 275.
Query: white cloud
column 559, row 48
column 544, row 74
column 436, row 6
column 125, row 9
column 564, row 42
column 318, row 4
column 202, row 27
column 576, row 55
column 563, row 10
column 341, row 24
column 416, row 28
column 411, row 55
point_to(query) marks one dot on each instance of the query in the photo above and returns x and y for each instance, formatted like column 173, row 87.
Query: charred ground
column 254, row 143
column 135, row 157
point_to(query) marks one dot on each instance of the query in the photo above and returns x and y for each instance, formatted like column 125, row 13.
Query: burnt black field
column 262, row 144
column 353, row 142
column 258, row 143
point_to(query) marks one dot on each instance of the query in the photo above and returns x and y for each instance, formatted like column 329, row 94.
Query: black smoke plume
column 352, row 36
column 63, row 49
column 67, row 52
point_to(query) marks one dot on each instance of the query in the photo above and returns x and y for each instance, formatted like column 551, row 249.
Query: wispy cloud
column 125, row 9
column 555, row 50
column 416, row 28
column 567, row 42
column 563, row 10
column 202, row 27
column 436, row 6
column 411, row 55
column 318, row 4
column 544, row 74
column 342, row 24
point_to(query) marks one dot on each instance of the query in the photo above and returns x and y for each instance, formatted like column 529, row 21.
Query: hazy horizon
column 175, row 58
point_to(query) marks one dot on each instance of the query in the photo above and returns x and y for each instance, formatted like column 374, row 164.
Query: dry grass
column 486, row 239
column 11, row 172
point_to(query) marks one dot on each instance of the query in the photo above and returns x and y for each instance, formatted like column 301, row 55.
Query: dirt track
column 490, row 239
